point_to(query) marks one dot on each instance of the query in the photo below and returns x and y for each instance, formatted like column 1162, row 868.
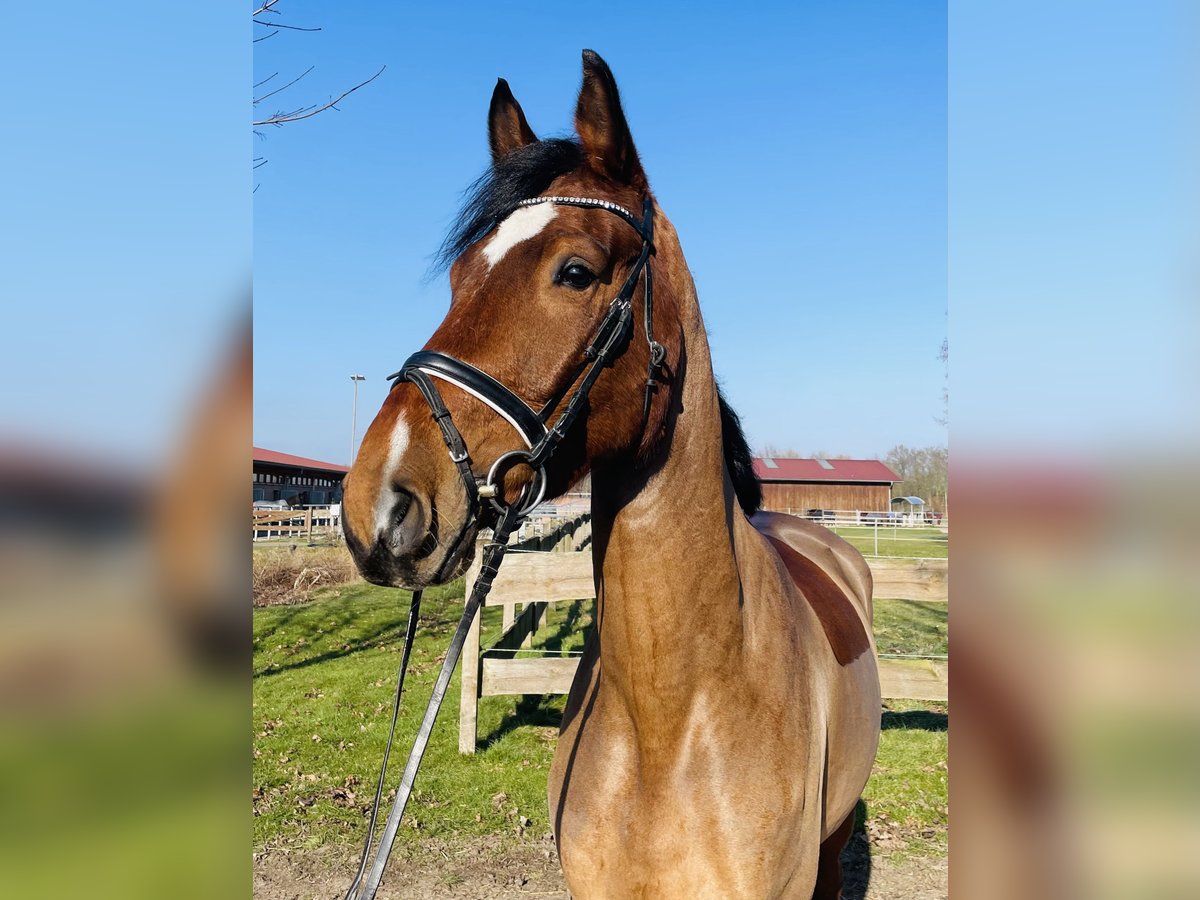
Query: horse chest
column 714, row 813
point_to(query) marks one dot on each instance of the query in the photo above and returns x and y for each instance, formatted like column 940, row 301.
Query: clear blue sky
column 801, row 153
column 798, row 148
column 1073, row 195
column 125, row 224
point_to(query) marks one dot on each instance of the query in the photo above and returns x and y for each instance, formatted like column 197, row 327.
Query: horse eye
column 576, row 276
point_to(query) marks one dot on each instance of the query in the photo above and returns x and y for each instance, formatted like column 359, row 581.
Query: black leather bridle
column 541, row 437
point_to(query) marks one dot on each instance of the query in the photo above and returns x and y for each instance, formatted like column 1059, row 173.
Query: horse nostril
column 400, row 509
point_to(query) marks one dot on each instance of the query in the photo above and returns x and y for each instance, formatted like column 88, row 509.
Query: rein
column 540, row 439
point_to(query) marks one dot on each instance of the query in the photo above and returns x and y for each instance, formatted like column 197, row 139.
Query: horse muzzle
column 414, row 543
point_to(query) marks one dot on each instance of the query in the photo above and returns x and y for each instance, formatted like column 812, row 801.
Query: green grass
column 906, row 797
column 324, row 675
column 909, row 542
column 911, row 627
column 138, row 786
column 324, row 678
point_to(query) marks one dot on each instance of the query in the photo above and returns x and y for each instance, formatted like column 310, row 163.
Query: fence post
column 876, row 537
column 308, row 520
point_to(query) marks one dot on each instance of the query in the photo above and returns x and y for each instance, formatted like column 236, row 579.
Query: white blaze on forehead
column 385, row 500
column 520, row 226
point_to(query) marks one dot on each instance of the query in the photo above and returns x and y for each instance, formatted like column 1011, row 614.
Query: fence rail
column 549, row 562
column 308, row 521
column 870, row 518
column 553, row 564
column 900, row 578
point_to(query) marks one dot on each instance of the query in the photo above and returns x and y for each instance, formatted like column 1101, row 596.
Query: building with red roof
column 800, row 485
column 297, row 479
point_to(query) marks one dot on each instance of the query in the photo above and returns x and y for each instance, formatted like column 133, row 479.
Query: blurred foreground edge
column 1073, row 679
column 124, row 639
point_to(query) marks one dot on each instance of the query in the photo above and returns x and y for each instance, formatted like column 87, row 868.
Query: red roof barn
column 798, row 485
column 299, row 480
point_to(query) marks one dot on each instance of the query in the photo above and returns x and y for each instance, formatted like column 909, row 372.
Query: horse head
column 550, row 238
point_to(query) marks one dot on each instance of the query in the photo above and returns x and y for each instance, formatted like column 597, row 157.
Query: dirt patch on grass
column 293, row 573
column 492, row 867
column 484, row 867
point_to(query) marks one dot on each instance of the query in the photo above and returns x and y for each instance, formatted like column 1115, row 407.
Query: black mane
column 523, row 173
column 738, row 459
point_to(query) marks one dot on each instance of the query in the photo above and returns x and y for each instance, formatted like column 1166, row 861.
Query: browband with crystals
column 590, row 202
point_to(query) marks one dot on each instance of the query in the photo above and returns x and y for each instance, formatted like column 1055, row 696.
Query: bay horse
column 726, row 711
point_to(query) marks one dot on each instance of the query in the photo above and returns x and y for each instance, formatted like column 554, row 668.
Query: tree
column 770, row 451
column 922, row 471
column 266, row 18
column 944, row 359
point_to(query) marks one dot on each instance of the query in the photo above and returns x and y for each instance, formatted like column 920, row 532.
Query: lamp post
column 354, row 414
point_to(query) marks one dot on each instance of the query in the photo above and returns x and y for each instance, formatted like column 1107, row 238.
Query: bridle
column 541, row 437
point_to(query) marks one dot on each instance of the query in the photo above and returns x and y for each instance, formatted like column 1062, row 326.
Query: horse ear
column 507, row 128
column 600, row 123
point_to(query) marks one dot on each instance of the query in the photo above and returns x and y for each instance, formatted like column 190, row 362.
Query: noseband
column 541, row 438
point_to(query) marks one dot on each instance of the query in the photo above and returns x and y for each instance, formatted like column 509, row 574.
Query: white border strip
column 496, row 409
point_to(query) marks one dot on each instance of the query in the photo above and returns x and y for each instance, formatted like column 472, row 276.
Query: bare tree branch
column 288, row 27
column 257, row 100
column 272, row 27
column 297, row 115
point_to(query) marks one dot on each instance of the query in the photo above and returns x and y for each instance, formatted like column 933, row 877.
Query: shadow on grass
column 921, row 719
column 856, row 858
column 337, row 620
column 554, row 643
column 530, row 710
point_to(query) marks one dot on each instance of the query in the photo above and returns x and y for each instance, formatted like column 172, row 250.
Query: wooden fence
column 869, row 518
column 555, row 566
column 309, row 521
column 551, row 564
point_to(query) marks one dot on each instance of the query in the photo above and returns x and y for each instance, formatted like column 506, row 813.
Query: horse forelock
column 525, row 172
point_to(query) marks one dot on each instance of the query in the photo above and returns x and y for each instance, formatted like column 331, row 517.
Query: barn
column 299, row 480
column 798, row 485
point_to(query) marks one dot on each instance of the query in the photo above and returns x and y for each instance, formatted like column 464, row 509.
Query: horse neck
column 668, row 592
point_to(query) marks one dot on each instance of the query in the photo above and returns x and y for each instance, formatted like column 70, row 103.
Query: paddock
column 554, row 566
column 324, row 672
